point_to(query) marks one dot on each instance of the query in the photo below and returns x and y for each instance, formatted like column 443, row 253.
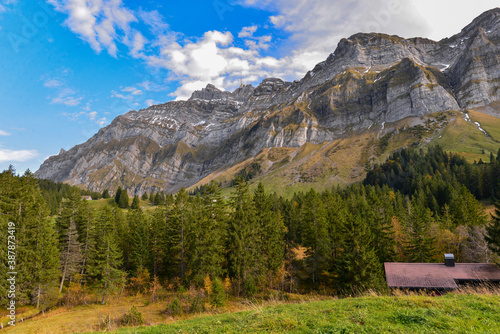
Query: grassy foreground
column 452, row 313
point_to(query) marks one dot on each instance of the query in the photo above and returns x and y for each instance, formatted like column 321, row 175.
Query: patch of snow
column 440, row 136
column 467, row 118
column 488, row 31
column 376, row 80
column 383, row 125
column 446, row 66
column 199, row 123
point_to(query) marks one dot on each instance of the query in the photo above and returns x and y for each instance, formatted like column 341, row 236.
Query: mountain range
column 374, row 94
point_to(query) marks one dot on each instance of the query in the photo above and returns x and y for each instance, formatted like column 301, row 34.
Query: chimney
column 449, row 260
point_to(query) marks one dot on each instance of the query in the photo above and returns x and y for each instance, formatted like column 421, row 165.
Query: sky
column 69, row 67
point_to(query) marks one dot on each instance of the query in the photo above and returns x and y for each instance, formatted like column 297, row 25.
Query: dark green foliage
column 121, row 198
column 493, row 230
column 136, row 204
column 145, row 197
column 105, row 194
column 421, row 246
column 358, row 268
column 207, row 240
column 106, row 258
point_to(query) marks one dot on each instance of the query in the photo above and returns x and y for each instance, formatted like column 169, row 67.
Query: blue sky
column 69, row 67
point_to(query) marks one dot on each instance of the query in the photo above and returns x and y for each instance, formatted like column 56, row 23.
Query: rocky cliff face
column 369, row 79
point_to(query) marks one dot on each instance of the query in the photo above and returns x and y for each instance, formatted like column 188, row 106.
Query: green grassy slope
column 452, row 313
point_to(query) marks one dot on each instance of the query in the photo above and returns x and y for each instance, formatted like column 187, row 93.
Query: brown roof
column 437, row 275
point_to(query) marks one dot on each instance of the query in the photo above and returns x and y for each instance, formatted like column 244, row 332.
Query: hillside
column 372, row 85
column 464, row 312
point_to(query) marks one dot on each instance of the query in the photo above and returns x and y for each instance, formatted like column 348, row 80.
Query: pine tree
column 138, row 229
column 421, row 246
column 85, row 227
column 207, row 236
column 244, row 234
column 177, row 227
column 106, row 258
column 272, row 230
column 358, row 268
column 123, row 199
column 70, row 248
column 145, row 197
column 315, row 235
column 493, row 230
column 37, row 251
column 157, row 237
column 136, row 204
column 117, row 195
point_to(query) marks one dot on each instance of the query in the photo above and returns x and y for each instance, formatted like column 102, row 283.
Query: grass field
column 452, row 313
column 469, row 311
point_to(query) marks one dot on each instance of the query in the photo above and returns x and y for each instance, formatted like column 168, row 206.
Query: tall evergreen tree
column 138, row 228
column 493, row 230
column 136, row 204
column 272, row 231
column 422, row 245
column 244, row 236
column 157, row 239
column 69, row 246
column 208, row 233
column 315, row 234
column 37, row 256
column 178, row 226
column 106, row 258
column 358, row 268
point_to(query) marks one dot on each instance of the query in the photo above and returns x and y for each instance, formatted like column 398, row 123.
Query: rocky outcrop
column 369, row 79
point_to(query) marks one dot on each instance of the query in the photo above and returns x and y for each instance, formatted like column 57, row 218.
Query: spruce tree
column 272, row 231
column 493, row 230
column 422, row 245
column 105, row 194
column 104, row 266
column 117, row 195
column 177, row 228
column 157, row 237
column 315, row 235
column 138, row 239
column 69, row 246
column 358, row 268
column 207, row 236
column 136, row 204
column 37, row 251
column 244, row 236
column 123, row 199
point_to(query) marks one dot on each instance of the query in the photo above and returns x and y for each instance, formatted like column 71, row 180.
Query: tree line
column 413, row 208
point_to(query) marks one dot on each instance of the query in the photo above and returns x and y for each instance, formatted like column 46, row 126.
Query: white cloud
column 247, row 31
column 67, row 97
column 98, row 22
column 7, row 155
column 314, row 28
column 57, row 81
column 278, row 21
column 4, row 133
column 151, row 102
column 132, row 90
column 102, row 121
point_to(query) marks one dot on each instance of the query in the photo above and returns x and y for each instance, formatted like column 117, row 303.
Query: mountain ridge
column 369, row 80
